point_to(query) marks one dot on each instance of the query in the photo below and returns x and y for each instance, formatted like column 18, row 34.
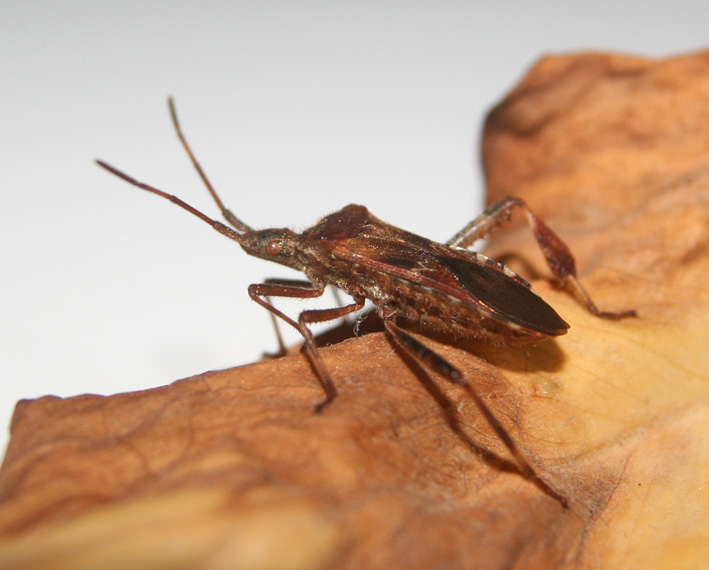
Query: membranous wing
column 461, row 274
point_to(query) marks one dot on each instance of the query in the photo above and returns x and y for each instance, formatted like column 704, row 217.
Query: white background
column 294, row 108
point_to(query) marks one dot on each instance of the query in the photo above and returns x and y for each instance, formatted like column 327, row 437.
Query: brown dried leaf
column 231, row 468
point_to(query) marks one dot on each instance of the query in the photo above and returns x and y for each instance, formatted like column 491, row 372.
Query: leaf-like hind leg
column 557, row 254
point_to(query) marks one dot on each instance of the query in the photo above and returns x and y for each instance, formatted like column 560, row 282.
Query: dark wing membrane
column 459, row 275
column 506, row 298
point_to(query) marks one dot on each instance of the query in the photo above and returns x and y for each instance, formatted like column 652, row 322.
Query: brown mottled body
column 442, row 286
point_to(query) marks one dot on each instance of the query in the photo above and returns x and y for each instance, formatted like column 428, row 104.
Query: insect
column 443, row 286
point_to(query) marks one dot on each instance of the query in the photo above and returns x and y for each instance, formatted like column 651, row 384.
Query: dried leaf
column 232, row 469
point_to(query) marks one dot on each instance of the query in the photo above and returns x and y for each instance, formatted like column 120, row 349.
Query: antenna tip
column 104, row 165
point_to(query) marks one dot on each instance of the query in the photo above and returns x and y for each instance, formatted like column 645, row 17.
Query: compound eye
column 273, row 247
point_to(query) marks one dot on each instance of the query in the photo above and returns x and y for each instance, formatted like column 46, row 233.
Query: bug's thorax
column 327, row 244
column 320, row 242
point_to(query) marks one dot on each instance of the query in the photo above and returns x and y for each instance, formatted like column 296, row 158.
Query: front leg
column 300, row 284
column 261, row 292
column 557, row 254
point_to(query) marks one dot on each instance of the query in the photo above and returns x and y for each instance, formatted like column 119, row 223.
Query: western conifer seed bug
column 443, row 286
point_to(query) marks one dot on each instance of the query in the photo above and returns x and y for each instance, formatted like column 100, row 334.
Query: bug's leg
column 424, row 355
column 338, row 297
column 557, row 254
column 321, row 316
column 260, row 293
column 298, row 283
column 282, row 350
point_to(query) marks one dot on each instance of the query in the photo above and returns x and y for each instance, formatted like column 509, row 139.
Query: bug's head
column 274, row 244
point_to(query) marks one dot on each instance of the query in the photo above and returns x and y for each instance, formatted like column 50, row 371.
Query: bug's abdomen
column 442, row 312
column 432, row 308
column 443, row 288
